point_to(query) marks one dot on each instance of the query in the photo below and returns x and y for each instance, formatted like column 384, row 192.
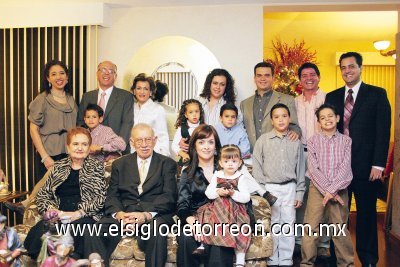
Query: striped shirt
column 329, row 162
column 278, row 160
column 104, row 136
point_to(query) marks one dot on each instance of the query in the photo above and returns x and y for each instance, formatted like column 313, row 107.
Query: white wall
column 234, row 34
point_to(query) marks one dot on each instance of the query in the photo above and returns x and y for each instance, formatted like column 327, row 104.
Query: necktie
column 142, row 175
column 102, row 102
column 348, row 108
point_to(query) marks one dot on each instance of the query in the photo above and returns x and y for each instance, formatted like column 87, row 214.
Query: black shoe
column 15, row 207
column 270, row 198
column 369, row 265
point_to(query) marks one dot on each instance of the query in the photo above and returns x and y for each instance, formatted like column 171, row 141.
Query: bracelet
column 44, row 159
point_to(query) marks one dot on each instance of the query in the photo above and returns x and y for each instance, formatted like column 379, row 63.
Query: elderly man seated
column 142, row 190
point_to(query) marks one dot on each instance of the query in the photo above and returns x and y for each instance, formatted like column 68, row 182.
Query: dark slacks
column 216, row 256
column 154, row 246
column 365, row 193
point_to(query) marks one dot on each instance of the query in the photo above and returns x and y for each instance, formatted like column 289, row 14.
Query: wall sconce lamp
column 383, row 45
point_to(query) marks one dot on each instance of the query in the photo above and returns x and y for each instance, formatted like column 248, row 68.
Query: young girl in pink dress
column 228, row 194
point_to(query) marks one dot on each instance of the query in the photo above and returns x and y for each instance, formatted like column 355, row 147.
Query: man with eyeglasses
column 116, row 103
column 143, row 190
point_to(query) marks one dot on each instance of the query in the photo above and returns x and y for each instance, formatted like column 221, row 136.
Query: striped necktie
column 348, row 109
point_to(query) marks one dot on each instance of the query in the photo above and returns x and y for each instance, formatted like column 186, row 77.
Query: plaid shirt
column 329, row 162
column 104, row 136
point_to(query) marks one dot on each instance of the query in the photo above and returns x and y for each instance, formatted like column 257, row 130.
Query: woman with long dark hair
column 51, row 114
column 204, row 147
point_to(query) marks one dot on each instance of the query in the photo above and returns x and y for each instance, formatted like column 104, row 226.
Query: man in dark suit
column 116, row 103
column 364, row 116
column 142, row 190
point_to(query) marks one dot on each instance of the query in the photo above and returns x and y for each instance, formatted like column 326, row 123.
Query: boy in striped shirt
column 106, row 144
column 329, row 168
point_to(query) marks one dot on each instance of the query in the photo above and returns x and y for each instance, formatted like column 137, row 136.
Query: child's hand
column 293, row 136
column 231, row 192
column 339, row 199
column 328, row 196
column 223, row 192
column 297, row 204
column 95, row 149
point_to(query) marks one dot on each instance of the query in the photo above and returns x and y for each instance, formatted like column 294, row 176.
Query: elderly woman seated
column 75, row 189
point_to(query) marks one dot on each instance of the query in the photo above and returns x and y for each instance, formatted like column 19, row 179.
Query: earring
column 215, row 153
column 49, row 85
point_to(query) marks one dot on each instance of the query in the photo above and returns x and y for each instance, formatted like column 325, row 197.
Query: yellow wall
column 332, row 32
column 328, row 33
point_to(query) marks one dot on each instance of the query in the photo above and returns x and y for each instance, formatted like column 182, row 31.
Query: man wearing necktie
column 143, row 189
column 116, row 103
column 365, row 116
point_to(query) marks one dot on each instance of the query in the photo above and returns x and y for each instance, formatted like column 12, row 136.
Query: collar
column 227, row 129
column 148, row 160
column 355, row 88
column 313, row 95
column 265, row 94
column 149, row 102
column 108, row 91
column 272, row 134
column 193, row 125
column 220, row 174
column 329, row 138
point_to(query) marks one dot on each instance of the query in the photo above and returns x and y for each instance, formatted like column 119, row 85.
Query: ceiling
column 149, row 3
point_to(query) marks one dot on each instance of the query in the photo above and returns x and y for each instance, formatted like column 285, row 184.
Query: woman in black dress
column 203, row 151
column 75, row 188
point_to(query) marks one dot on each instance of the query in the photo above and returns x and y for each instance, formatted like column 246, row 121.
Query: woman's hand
column 48, row 162
column 95, row 149
column 73, row 215
column 197, row 236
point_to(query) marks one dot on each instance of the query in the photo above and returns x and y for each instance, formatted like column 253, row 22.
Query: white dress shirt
column 154, row 115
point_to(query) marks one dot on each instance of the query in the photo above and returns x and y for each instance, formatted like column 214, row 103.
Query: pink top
column 329, row 162
column 306, row 114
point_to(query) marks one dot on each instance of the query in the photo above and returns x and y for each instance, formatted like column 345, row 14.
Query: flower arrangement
column 287, row 59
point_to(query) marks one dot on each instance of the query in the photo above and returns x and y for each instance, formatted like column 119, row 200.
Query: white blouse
column 154, row 115
column 212, row 116
column 177, row 138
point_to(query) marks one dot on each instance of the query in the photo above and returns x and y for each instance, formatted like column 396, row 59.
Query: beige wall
column 234, row 34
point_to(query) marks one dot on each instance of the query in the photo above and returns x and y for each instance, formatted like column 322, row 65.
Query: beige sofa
column 128, row 253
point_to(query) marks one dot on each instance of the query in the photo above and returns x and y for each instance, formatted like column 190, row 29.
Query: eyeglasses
column 106, row 71
column 147, row 141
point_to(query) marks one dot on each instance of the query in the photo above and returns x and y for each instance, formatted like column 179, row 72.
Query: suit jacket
column 118, row 114
column 248, row 116
column 369, row 127
column 159, row 189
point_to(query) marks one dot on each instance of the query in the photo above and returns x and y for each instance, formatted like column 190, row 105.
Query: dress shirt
column 146, row 170
column 212, row 116
column 104, row 136
column 329, row 162
column 178, row 136
column 236, row 135
column 355, row 88
column 306, row 114
column 259, row 106
column 154, row 115
column 242, row 195
column 108, row 92
column 278, row 160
